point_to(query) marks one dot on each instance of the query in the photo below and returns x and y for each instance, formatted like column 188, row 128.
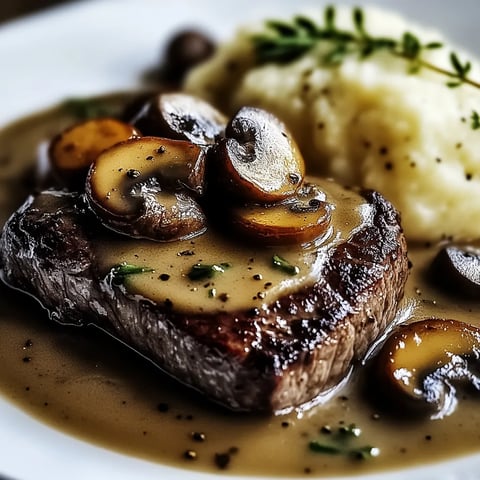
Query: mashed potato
column 369, row 122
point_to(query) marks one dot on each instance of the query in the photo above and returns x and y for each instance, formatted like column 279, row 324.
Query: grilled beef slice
column 270, row 362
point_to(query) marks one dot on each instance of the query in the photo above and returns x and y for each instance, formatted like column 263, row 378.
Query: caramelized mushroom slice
column 259, row 159
column 146, row 187
column 420, row 363
column 72, row 151
column 181, row 116
column 457, row 268
column 299, row 219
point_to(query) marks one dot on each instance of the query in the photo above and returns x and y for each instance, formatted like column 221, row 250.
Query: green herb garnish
column 86, row 108
column 200, row 271
column 284, row 265
column 341, row 444
column 283, row 42
column 120, row 272
column 475, row 120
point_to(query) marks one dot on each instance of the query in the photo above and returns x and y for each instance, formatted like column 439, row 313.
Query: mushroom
column 457, row 268
column 421, row 362
column 185, row 50
column 300, row 219
column 148, row 188
column 180, row 116
column 259, row 161
column 72, row 151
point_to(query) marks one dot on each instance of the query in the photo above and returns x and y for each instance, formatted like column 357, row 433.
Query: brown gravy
column 87, row 384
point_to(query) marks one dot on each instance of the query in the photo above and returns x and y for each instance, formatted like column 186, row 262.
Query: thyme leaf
column 284, row 41
column 201, row 271
column 120, row 272
column 475, row 120
column 341, row 444
column 284, row 265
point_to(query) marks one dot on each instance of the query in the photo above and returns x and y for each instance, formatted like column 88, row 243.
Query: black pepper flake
column 224, row 297
column 199, row 436
column 190, row 455
column 438, row 160
column 468, row 176
column 161, row 149
column 132, row 173
column 189, row 417
column 326, row 429
column 163, row 407
column 27, row 389
column 233, row 450
column 320, row 125
column 307, row 470
column 150, row 157
column 222, row 460
column 168, row 303
column 231, row 66
column 459, row 145
column 257, row 276
column 428, row 437
column 388, row 166
column 45, row 404
column 285, row 424
column 267, row 285
column 383, row 150
column 253, row 312
column 164, row 277
column 28, row 343
column 26, row 359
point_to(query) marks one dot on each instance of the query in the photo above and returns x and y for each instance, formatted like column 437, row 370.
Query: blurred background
column 14, row 9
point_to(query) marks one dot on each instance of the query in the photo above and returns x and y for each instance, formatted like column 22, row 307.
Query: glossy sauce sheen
column 87, row 384
column 249, row 281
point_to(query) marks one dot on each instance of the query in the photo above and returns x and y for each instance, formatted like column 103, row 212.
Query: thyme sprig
column 284, row 41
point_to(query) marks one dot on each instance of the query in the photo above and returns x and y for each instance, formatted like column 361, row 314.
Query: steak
column 303, row 345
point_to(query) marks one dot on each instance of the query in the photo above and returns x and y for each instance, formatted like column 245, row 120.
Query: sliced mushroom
column 72, row 151
column 457, row 268
column 300, row 219
column 181, row 116
column 421, row 362
column 147, row 188
column 258, row 160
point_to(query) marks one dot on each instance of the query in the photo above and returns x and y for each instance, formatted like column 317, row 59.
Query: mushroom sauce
column 83, row 382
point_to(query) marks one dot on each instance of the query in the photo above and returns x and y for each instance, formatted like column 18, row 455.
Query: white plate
column 98, row 46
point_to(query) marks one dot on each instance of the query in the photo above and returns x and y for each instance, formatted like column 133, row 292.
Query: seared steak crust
column 301, row 347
